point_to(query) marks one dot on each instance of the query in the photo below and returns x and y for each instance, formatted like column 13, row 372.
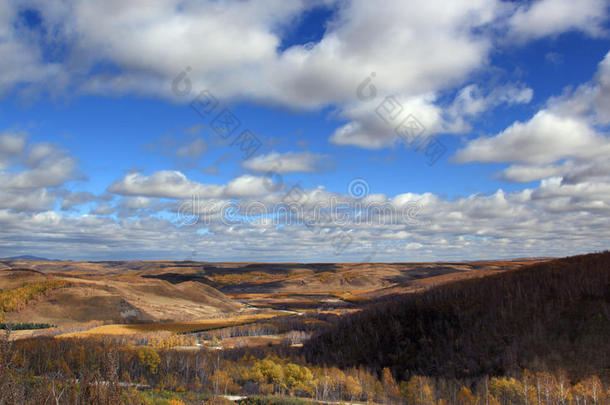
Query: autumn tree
column 299, row 379
column 353, row 389
column 418, row 391
column 390, row 387
column 466, row 397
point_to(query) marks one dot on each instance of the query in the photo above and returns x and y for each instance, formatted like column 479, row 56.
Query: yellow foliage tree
column 466, row 397
column 149, row 358
column 418, row 391
column 390, row 386
column 353, row 389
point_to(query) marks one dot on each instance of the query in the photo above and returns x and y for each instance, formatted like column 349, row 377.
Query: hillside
column 547, row 315
column 113, row 298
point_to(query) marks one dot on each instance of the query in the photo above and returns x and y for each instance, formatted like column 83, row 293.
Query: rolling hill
column 128, row 291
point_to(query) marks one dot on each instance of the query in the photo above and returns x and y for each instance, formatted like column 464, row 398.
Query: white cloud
column 601, row 91
column 232, row 47
column 565, row 139
column 247, row 186
column 367, row 129
column 30, row 175
column 527, row 173
column 543, row 139
column 536, row 221
column 552, row 219
column 73, row 199
column 165, row 183
column 590, row 100
column 174, row 184
column 21, row 61
column 285, row 162
column 419, row 50
column 11, row 145
column 550, row 17
column 471, row 101
column 572, row 171
column 192, row 150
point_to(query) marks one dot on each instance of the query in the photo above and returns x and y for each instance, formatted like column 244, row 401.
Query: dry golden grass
column 292, row 294
column 351, row 297
column 116, row 299
column 250, row 341
column 174, row 327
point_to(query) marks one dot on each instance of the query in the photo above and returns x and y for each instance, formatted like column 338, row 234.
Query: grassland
column 173, row 327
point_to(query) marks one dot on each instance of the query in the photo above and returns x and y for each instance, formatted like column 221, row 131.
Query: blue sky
column 100, row 158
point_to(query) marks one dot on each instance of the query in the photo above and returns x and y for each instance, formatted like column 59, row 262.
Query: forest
column 550, row 315
column 88, row 371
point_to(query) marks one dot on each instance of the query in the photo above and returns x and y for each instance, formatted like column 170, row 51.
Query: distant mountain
column 25, row 257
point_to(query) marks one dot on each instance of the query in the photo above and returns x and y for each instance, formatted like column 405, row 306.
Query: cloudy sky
column 321, row 130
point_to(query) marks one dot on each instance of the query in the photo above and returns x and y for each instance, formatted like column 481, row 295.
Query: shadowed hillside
column 554, row 314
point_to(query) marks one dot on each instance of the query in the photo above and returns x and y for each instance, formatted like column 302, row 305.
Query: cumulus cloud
column 72, row 199
column 30, row 175
column 601, row 91
column 590, row 100
column 21, row 60
column 414, row 51
column 374, row 126
column 565, row 139
column 552, row 219
column 11, row 145
column 551, row 17
column 152, row 43
column 542, row 220
column 527, row 173
column 442, row 47
column 543, row 139
column 174, row 184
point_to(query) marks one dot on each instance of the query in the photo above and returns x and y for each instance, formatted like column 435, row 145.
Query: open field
column 173, row 327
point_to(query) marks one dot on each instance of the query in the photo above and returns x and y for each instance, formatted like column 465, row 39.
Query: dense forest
column 97, row 371
column 552, row 315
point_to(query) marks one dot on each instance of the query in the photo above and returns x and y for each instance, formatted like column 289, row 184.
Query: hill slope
column 553, row 314
column 289, row 286
column 114, row 298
